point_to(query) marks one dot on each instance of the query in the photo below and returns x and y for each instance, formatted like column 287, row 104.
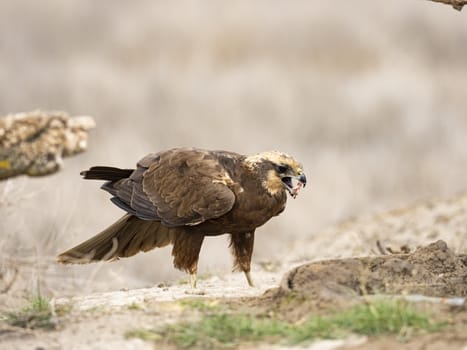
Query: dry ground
column 369, row 96
column 100, row 320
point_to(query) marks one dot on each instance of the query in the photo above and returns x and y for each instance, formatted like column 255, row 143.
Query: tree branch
column 457, row 4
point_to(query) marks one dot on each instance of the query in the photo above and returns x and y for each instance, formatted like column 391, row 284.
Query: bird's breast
column 249, row 212
column 257, row 209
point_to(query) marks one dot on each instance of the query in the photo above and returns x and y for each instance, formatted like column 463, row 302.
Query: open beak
column 294, row 184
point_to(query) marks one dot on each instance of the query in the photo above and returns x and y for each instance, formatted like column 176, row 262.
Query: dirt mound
column 432, row 270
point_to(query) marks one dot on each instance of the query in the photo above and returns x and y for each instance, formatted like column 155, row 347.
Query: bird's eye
column 281, row 169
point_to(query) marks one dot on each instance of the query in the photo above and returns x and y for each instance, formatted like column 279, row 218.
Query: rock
column 34, row 143
column 433, row 270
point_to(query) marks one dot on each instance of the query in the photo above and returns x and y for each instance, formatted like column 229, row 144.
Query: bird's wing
column 178, row 187
column 188, row 186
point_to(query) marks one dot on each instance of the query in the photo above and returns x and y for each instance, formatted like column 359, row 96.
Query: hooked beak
column 294, row 184
column 302, row 179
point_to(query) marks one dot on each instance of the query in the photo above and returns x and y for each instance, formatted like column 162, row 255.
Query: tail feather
column 106, row 173
column 126, row 237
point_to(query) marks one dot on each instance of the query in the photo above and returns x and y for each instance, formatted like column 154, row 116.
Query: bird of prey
column 33, row 143
column 181, row 195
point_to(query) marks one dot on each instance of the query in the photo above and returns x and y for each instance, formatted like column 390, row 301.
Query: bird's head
column 279, row 172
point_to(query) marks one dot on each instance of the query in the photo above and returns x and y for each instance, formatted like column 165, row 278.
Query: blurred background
column 370, row 96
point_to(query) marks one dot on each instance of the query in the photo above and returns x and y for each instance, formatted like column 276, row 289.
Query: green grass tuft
column 214, row 331
column 202, row 305
column 135, row 307
column 383, row 317
column 37, row 314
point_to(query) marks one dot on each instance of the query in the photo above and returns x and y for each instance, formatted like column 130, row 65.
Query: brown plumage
column 181, row 195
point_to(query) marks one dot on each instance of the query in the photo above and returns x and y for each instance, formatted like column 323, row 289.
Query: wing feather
column 178, row 187
column 188, row 187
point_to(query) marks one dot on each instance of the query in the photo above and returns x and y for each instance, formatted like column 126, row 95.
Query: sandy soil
column 100, row 320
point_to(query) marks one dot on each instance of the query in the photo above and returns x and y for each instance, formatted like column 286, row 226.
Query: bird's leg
column 193, row 272
column 193, row 280
column 248, row 278
column 242, row 249
column 186, row 253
